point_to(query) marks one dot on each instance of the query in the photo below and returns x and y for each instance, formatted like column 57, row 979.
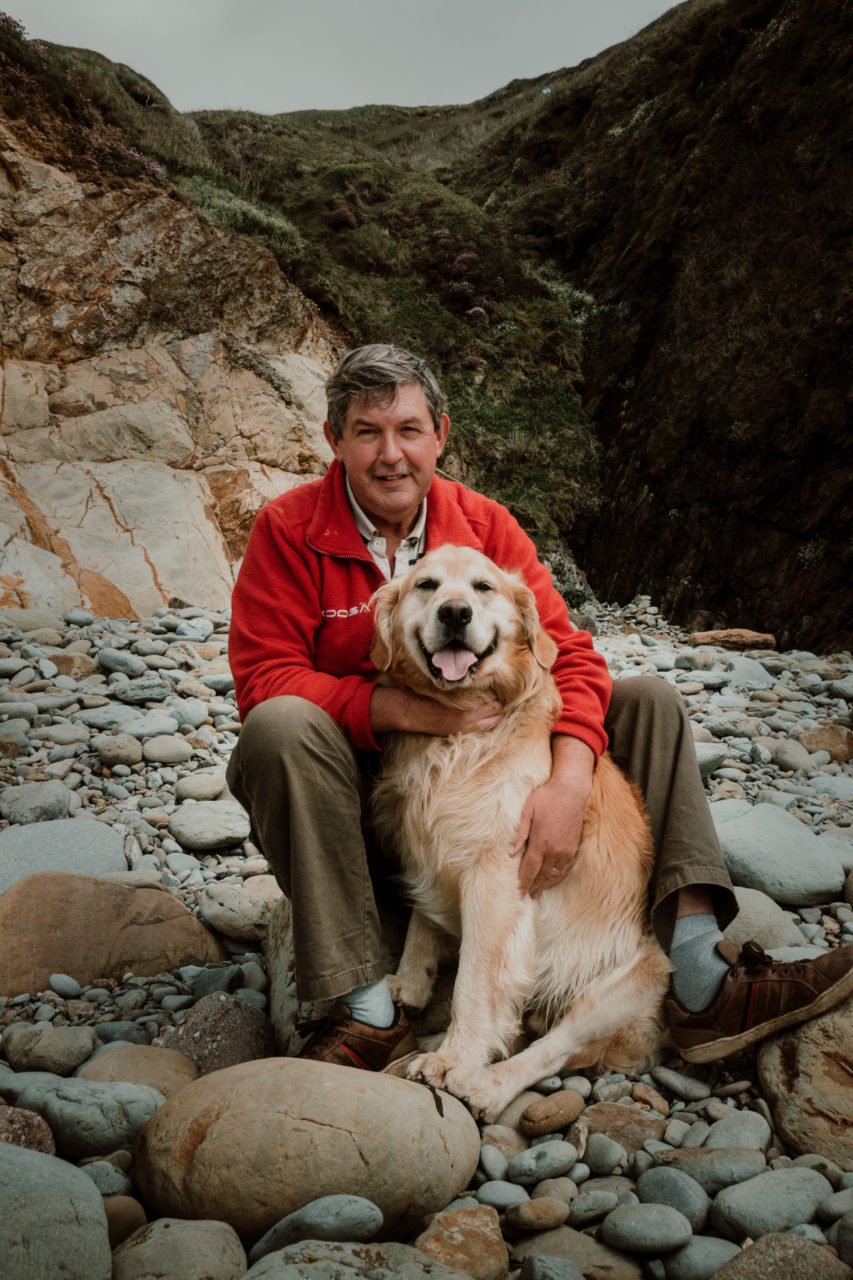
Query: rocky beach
column 154, row 1120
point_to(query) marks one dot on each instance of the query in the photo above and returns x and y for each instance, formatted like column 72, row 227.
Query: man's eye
column 483, row 586
column 426, row 584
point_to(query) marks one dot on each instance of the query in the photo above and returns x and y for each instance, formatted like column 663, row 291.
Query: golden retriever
column 580, row 959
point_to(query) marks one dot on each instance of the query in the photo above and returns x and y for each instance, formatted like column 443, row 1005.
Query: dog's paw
column 483, row 1095
column 430, row 1068
column 405, row 991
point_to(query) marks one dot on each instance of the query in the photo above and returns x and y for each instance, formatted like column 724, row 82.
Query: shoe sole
column 397, row 1066
column 713, row 1050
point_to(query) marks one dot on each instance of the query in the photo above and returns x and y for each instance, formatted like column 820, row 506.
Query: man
column 314, row 719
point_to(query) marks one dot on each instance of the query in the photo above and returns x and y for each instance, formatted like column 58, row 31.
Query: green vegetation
column 233, row 213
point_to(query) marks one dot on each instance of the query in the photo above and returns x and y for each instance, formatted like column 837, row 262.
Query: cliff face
column 160, row 381
column 696, row 181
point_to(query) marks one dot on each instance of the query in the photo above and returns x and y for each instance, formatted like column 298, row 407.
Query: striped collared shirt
column 410, row 549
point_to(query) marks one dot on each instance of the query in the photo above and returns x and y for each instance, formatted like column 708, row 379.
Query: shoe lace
column 756, row 960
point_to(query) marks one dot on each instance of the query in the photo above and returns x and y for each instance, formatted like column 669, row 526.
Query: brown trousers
column 305, row 790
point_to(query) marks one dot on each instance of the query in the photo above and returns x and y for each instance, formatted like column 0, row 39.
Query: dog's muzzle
column 454, row 659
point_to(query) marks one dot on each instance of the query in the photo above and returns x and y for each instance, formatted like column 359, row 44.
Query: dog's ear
column 383, row 601
column 541, row 645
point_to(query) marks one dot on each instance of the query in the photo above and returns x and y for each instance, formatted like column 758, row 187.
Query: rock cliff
column 160, row 381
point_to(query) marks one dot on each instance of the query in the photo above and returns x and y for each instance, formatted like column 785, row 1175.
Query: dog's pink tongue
column 454, row 664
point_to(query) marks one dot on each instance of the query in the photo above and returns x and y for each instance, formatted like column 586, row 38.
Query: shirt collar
column 368, row 531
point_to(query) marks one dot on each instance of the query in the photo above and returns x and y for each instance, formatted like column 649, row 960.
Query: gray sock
column 372, row 1004
column 698, row 968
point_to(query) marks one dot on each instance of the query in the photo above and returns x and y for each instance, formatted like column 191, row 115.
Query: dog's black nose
column 455, row 613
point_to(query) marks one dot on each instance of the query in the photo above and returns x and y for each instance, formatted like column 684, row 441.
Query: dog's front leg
column 495, row 972
column 414, row 980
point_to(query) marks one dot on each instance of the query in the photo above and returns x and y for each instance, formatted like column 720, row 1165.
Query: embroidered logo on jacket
column 364, row 607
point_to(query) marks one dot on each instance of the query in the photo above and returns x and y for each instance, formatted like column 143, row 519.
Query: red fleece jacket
column 301, row 623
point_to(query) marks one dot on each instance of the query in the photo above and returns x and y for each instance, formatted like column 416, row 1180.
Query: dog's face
column 457, row 621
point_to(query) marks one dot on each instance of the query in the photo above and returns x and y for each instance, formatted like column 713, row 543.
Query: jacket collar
column 332, row 529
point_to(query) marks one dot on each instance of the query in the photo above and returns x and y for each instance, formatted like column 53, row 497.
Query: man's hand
column 401, row 710
column 552, row 818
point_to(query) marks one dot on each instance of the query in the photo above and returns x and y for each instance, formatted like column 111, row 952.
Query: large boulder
column 807, row 1077
column 92, row 928
column 80, row 846
column 252, row 1143
column 53, row 1221
column 768, row 849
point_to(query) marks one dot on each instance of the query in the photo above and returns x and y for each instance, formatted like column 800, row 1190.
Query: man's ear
column 332, row 440
column 383, row 601
column 441, row 434
column 542, row 646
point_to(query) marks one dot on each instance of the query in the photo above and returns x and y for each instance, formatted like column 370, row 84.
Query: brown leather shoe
column 759, row 996
column 340, row 1039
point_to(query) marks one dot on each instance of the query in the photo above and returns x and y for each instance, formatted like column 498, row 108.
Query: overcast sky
column 286, row 55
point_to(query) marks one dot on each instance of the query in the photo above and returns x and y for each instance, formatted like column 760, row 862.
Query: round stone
column 122, row 660
column 117, row 748
column 702, row 1256
column 26, row 1129
column 646, row 1228
column 71, row 1239
column 194, row 629
column 200, row 786
column 214, row 824
column 124, row 1216
column 167, row 749
column 591, row 1205
column 42, row 1047
column 604, row 1154
column 770, row 1202
column 740, row 1129
column 544, row 1213
column 678, row 1190
column 166, row 1070
column 681, row 1085
column 501, row 1194
column 545, row 1160
column 89, row 1118
column 182, row 1251
column 493, row 1162
column 551, row 1114
column 109, row 1180
column 64, row 985
column 335, row 1217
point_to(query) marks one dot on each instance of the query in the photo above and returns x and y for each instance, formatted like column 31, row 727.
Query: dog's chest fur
column 444, row 805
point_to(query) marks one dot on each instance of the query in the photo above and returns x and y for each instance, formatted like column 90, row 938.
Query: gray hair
column 375, row 374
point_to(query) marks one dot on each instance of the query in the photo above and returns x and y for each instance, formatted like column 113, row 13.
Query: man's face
column 389, row 452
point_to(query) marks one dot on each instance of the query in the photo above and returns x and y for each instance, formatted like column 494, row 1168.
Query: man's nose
column 391, row 451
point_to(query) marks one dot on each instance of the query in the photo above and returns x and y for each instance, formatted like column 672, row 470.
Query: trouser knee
column 639, row 697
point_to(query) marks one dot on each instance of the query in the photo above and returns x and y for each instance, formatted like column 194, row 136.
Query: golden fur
column 580, row 959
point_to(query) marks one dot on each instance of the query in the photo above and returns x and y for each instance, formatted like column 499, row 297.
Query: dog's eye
column 426, row 584
column 483, row 586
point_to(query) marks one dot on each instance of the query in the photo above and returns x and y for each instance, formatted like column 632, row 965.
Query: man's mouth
column 455, row 662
